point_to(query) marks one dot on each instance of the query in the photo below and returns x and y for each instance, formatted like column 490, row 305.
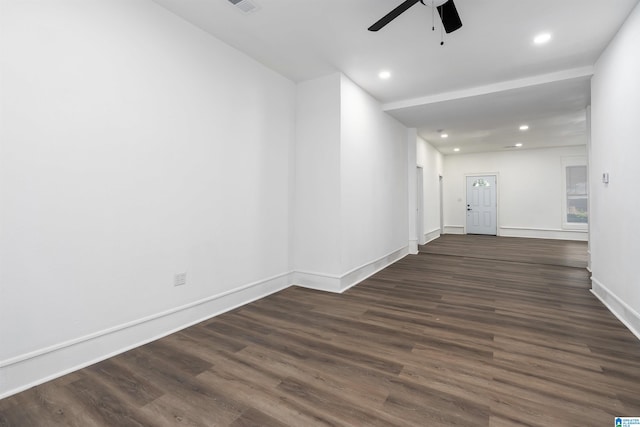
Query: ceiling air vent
column 246, row 6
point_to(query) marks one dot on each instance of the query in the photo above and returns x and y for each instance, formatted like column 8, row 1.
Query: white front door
column 481, row 205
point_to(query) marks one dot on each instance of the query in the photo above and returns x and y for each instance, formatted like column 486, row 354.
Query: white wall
column 530, row 190
column 373, row 165
column 316, row 233
column 412, row 189
column 615, row 148
column 350, row 203
column 133, row 147
column 432, row 161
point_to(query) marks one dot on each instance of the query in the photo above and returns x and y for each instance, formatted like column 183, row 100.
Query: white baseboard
column 357, row 275
column 339, row 284
column 317, row 281
column 413, row 247
column 544, row 233
column 28, row 370
column 25, row 371
column 626, row 314
column 454, row 229
column 431, row 236
column 533, row 233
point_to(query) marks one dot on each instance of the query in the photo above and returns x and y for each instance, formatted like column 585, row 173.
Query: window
column 576, row 194
column 481, row 183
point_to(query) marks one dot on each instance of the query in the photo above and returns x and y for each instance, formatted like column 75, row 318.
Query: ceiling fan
column 446, row 9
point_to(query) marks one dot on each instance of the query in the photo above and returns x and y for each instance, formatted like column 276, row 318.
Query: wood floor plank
column 254, row 418
column 368, row 392
column 267, row 400
column 473, row 331
column 136, row 388
column 105, row 407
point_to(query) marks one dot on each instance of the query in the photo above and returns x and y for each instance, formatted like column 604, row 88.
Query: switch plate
column 180, row 279
column 605, row 177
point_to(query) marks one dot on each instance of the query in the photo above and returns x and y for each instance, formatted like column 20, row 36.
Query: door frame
column 441, row 198
column 420, row 205
column 464, row 205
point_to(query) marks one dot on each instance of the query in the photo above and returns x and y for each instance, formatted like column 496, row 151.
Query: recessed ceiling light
column 444, row 135
column 519, row 144
column 384, row 75
column 456, row 149
column 524, row 127
column 542, row 38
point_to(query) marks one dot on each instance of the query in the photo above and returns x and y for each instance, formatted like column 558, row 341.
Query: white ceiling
column 485, row 81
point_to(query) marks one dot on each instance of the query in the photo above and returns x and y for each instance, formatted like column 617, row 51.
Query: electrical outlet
column 180, row 279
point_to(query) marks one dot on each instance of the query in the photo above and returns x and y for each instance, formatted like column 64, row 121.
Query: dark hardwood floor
column 473, row 331
column 536, row 251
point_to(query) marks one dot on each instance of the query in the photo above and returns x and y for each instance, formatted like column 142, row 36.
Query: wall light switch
column 605, row 177
column 180, row 279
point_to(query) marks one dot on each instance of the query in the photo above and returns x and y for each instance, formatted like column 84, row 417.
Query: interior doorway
column 420, row 206
column 482, row 205
column 441, row 198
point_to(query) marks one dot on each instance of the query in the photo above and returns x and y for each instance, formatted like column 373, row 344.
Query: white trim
column 367, row 270
column 412, row 188
column 339, row 284
column 317, row 281
column 454, row 229
column 420, row 205
column 315, row 273
column 544, row 233
column 625, row 313
column 31, row 369
column 441, row 202
column 133, row 323
column 432, row 235
column 28, row 370
column 353, row 270
column 574, row 73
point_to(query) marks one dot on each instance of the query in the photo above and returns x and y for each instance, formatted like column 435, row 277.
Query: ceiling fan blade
column 449, row 16
column 393, row 14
